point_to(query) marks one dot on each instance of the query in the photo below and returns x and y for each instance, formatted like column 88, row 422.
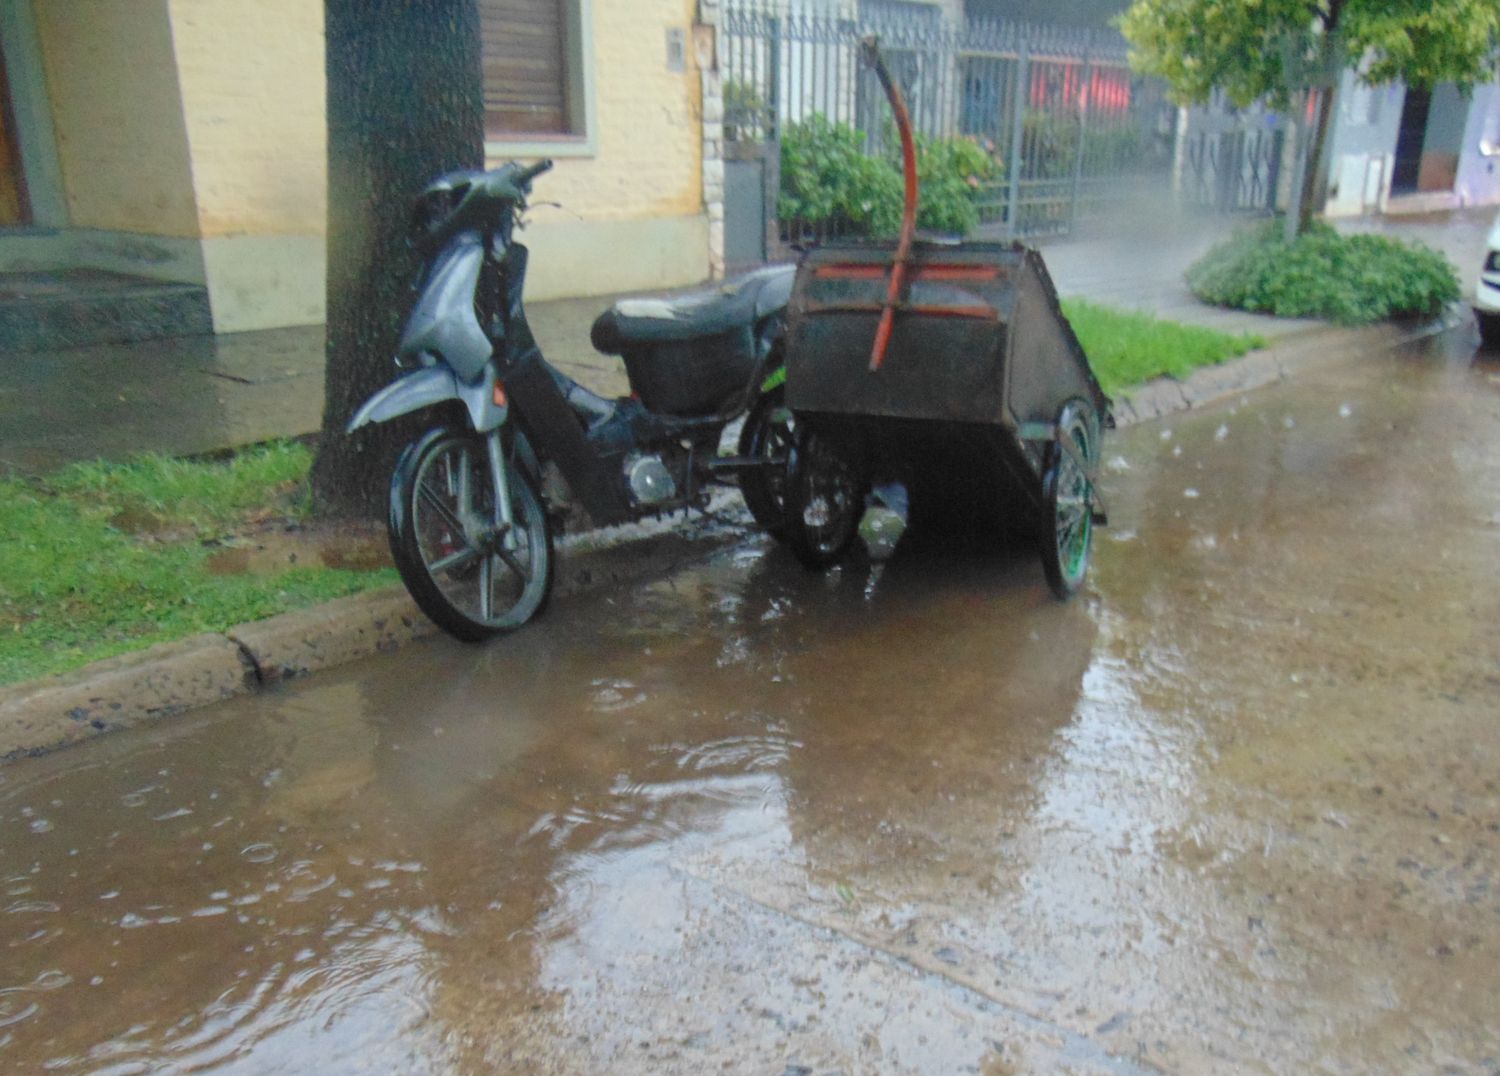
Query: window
column 536, row 86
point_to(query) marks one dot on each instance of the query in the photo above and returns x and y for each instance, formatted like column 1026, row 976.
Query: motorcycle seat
column 733, row 305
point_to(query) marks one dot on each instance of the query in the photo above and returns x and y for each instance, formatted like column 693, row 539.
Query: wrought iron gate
column 1071, row 128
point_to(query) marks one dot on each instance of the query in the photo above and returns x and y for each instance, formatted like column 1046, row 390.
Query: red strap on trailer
column 871, row 50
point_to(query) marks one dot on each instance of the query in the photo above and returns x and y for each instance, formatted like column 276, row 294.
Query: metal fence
column 1233, row 160
column 1069, row 127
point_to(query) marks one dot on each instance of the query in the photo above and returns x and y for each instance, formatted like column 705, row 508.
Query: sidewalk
column 195, row 394
column 200, row 393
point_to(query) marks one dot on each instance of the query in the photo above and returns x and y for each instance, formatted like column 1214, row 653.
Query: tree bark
column 405, row 104
column 1315, row 173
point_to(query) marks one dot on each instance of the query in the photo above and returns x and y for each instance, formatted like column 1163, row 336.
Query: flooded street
column 1236, row 807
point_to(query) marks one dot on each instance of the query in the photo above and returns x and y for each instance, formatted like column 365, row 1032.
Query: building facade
column 617, row 101
column 172, row 141
column 1398, row 148
column 186, row 141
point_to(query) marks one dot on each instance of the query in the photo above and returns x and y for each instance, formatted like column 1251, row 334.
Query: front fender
column 418, row 389
column 428, row 386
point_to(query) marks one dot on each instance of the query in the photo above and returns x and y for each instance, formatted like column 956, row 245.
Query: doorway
column 1407, row 172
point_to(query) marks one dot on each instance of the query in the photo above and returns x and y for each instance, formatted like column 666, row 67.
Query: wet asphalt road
column 1235, row 809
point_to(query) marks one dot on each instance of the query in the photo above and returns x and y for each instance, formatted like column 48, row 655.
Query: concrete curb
column 42, row 715
column 306, row 640
column 1277, row 362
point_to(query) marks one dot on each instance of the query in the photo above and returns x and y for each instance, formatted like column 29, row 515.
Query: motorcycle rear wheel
column 471, row 576
column 766, row 437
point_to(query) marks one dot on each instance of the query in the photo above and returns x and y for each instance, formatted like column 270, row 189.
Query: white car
column 1487, row 291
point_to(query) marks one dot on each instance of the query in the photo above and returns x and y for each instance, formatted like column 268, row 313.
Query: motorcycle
column 469, row 531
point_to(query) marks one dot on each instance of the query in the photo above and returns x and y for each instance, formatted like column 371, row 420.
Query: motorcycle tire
column 766, row 436
column 825, row 499
column 1067, row 522
column 448, row 548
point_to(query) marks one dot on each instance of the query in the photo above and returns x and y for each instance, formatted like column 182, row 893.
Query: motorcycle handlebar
column 528, row 174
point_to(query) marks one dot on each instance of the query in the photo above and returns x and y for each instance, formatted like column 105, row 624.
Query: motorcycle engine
column 651, row 482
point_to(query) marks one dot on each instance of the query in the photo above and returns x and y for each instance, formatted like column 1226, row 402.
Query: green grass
column 1128, row 348
column 100, row 558
column 203, row 495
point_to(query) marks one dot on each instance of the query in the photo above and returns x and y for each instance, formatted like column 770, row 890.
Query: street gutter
column 40, row 716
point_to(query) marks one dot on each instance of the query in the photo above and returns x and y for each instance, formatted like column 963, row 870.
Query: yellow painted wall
column 649, row 139
column 117, row 111
column 253, row 97
column 206, row 120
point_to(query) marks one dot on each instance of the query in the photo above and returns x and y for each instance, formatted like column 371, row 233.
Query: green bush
column 827, row 180
column 1353, row 280
column 950, row 172
column 830, row 182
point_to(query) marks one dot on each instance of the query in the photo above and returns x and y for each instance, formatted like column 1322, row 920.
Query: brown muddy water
column 1237, row 808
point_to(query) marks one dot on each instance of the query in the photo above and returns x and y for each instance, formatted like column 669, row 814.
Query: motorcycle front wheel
column 473, row 576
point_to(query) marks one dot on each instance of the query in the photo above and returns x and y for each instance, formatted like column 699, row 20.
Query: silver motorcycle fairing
column 425, row 387
column 444, row 323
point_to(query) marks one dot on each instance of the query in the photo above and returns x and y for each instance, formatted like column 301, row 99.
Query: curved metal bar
column 870, row 49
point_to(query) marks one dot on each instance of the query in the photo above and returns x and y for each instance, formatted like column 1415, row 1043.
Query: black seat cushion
column 735, row 304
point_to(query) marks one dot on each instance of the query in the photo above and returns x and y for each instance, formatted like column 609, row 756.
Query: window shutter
column 525, row 76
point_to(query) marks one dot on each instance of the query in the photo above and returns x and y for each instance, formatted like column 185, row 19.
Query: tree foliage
column 1243, row 46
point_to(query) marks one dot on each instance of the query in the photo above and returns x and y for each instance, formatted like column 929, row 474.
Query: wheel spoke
column 465, row 495
column 486, row 581
column 438, row 505
column 1067, row 537
column 453, row 560
column 514, row 565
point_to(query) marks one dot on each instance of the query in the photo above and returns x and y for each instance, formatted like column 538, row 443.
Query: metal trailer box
column 980, row 364
column 979, row 337
column 947, row 368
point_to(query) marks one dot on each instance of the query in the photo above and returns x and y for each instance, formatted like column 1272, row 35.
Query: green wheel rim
column 1073, row 520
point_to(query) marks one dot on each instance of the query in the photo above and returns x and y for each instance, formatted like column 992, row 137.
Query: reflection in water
column 1233, row 808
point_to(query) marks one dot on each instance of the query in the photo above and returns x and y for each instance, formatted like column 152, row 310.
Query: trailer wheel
column 825, row 498
column 1067, row 502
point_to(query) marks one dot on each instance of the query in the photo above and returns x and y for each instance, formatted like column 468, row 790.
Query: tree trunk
column 1315, row 171
column 405, row 104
